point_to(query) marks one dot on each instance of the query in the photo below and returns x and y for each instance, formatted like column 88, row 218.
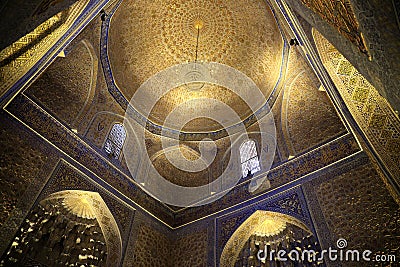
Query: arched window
column 115, row 140
column 249, row 158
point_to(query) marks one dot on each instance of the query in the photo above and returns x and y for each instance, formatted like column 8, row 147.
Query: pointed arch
column 248, row 228
column 93, row 81
column 103, row 215
column 72, row 79
column 169, row 157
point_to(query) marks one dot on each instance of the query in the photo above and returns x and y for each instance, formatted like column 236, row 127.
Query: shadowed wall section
column 154, row 245
column 366, row 32
column 309, row 117
column 17, row 18
column 20, row 165
column 66, row 88
column 353, row 203
column 371, row 111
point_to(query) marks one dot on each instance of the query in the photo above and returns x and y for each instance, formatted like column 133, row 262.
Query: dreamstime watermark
column 340, row 253
column 193, row 76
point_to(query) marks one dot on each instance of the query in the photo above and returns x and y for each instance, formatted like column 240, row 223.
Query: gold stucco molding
column 248, row 228
column 100, row 211
column 18, row 58
column 371, row 111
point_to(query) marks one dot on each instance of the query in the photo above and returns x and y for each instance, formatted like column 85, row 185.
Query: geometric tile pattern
column 18, row 58
column 340, row 15
column 371, row 111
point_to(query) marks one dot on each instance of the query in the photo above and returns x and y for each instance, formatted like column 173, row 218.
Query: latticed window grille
column 115, row 140
column 249, row 158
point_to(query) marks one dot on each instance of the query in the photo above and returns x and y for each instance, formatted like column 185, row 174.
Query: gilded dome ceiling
column 147, row 37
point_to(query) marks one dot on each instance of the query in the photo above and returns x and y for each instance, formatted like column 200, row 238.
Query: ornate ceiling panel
column 148, row 37
column 196, row 103
column 340, row 14
column 371, row 111
column 66, row 83
column 191, row 152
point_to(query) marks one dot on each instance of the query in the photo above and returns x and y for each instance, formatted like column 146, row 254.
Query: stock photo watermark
column 193, row 76
column 339, row 253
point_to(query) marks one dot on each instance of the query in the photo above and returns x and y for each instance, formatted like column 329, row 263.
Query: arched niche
column 273, row 225
column 161, row 162
column 308, row 116
column 72, row 226
column 100, row 125
column 66, row 88
column 371, row 111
